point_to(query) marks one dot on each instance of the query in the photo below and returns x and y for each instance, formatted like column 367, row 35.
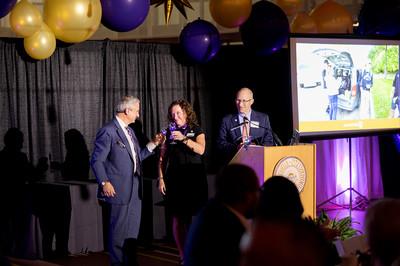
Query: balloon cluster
column 264, row 26
column 26, row 21
column 70, row 21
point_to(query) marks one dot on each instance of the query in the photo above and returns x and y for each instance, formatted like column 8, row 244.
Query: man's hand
column 108, row 190
column 158, row 139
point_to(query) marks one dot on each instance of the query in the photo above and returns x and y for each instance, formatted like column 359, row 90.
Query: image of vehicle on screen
column 349, row 92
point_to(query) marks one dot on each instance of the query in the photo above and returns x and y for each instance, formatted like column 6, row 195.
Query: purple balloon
column 124, row 15
column 6, row 6
column 266, row 30
column 200, row 40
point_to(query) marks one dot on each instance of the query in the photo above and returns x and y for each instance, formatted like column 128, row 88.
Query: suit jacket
column 260, row 132
column 112, row 160
column 214, row 237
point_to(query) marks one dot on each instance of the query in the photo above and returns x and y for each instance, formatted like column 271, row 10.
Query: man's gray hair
column 125, row 102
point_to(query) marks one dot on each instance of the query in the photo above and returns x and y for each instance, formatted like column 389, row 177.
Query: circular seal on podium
column 293, row 169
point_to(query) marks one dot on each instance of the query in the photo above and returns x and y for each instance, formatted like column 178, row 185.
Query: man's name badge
column 255, row 124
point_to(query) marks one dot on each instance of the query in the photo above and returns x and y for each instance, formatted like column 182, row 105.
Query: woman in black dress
column 182, row 174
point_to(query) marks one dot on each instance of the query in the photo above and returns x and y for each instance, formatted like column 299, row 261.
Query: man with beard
column 215, row 235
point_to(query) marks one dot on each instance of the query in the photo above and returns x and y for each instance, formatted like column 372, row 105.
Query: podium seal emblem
column 293, row 169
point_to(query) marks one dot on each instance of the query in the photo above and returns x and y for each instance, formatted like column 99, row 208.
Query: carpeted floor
column 157, row 255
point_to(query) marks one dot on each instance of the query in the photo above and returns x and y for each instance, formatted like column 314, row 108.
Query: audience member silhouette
column 215, row 235
column 284, row 243
column 55, row 215
column 382, row 227
column 4, row 261
column 279, row 200
column 15, row 166
column 16, row 171
column 76, row 164
column 280, row 235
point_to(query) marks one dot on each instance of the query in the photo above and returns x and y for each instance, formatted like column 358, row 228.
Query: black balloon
column 266, row 30
column 378, row 17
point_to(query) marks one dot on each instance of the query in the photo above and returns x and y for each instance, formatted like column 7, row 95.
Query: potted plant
column 335, row 228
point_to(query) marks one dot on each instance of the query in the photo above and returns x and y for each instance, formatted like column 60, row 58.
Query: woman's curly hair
column 187, row 108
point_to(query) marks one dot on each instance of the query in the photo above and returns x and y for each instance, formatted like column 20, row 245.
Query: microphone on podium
column 277, row 141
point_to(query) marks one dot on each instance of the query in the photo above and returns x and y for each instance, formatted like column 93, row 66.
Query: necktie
column 245, row 130
column 135, row 151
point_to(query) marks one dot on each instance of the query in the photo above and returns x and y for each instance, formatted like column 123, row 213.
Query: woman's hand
column 161, row 186
column 177, row 135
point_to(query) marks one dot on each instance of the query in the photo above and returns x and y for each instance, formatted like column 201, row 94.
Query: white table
column 86, row 226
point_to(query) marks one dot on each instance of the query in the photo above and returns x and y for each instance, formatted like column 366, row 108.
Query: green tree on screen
column 384, row 58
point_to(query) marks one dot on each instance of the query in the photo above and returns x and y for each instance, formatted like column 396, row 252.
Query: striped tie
column 135, row 146
column 245, row 130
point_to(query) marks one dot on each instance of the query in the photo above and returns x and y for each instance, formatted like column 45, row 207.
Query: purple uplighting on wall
column 333, row 169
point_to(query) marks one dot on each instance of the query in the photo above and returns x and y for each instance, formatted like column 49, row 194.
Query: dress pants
column 124, row 227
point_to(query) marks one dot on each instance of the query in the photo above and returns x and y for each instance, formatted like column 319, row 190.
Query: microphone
column 294, row 140
column 277, row 141
column 239, row 125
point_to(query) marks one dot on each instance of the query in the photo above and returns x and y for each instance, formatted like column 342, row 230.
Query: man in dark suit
column 116, row 163
column 245, row 127
column 215, row 235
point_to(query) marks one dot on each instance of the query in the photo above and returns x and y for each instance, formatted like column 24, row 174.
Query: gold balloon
column 303, row 23
column 332, row 17
column 290, row 7
column 73, row 21
column 41, row 44
column 25, row 19
column 230, row 13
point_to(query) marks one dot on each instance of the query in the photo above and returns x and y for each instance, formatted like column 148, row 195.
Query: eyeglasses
column 243, row 101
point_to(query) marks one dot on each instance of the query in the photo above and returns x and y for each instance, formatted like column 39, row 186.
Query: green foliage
column 342, row 227
column 384, row 58
column 382, row 96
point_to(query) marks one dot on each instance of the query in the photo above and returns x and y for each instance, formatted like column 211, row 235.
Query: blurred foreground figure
column 382, row 227
column 215, row 235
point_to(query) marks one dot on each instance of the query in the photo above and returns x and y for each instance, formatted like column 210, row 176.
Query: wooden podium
column 297, row 163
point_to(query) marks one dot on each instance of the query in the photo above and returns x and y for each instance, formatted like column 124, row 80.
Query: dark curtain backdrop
column 78, row 86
